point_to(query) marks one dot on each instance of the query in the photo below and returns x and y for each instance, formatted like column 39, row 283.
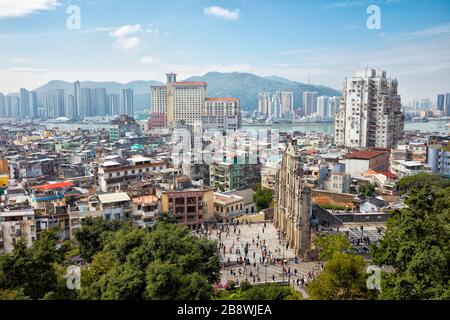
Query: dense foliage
column 263, row 198
column 343, row 278
column 331, row 244
column 367, row 189
column 164, row 263
column 262, row 292
column 126, row 262
column 421, row 180
column 417, row 243
column 33, row 272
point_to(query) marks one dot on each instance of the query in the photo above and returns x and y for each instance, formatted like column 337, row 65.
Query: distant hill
column 246, row 86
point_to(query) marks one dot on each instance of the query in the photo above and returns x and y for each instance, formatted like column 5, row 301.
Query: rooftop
column 113, row 197
column 54, row 185
column 364, row 155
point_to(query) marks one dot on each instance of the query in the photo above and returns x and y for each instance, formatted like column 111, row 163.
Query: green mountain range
column 244, row 86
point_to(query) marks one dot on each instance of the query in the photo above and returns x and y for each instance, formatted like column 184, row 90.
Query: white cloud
column 124, row 36
column 127, row 43
column 126, row 30
column 222, row 13
column 149, row 60
column 20, row 8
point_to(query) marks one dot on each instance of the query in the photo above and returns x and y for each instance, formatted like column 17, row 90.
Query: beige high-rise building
column 180, row 101
column 293, row 203
column 370, row 112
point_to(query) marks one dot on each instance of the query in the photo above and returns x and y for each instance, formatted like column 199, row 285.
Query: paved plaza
column 265, row 255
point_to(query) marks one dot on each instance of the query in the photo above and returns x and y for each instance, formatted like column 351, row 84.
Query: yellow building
column 4, row 166
column 4, row 180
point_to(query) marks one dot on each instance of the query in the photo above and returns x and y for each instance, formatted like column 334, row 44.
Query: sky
column 317, row 41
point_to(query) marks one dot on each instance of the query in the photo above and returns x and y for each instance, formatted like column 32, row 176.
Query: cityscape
column 223, row 183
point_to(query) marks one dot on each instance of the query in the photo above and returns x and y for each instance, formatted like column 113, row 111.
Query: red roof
column 50, row 186
column 389, row 175
column 365, row 155
column 190, row 83
column 221, row 99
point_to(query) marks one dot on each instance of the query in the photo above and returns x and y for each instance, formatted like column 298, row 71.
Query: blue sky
column 324, row 41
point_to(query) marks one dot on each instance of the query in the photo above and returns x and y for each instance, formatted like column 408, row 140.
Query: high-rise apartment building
column 34, row 106
column 126, row 102
column 309, row 102
column 113, row 104
column 77, row 98
column 323, row 106
column 286, row 99
column 24, row 111
column 334, row 105
column 3, row 110
column 55, row 103
column 440, row 102
column 263, row 103
column 370, row 112
column 99, row 100
column 86, row 104
column 70, row 106
column 447, row 105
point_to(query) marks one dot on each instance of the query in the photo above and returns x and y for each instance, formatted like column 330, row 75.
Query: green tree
column 89, row 236
column 161, row 263
column 367, row 189
column 263, row 198
column 417, row 246
column 330, row 244
column 31, row 270
column 421, row 180
column 343, row 278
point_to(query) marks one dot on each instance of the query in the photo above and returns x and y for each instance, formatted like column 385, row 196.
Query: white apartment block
column 16, row 225
column 112, row 175
column 310, row 103
column 370, row 112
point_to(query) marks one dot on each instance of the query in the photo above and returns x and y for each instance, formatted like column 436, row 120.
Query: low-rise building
column 16, row 225
column 116, row 174
column 228, row 207
column 358, row 162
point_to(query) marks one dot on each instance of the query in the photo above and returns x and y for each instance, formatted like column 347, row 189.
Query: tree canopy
column 263, row 198
column 166, row 263
column 417, row 244
column 343, row 278
column 421, row 180
column 330, row 244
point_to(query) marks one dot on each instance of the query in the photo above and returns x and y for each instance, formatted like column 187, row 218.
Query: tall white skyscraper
column 309, row 102
column 3, row 111
column 126, row 102
column 77, row 99
column 370, row 112
column 323, row 106
column 100, row 102
column 55, row 103
column 86, row 103
column 333, row 105
column 33, row 105
column 24, row 103
column 263, row 103
column 286, row 99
